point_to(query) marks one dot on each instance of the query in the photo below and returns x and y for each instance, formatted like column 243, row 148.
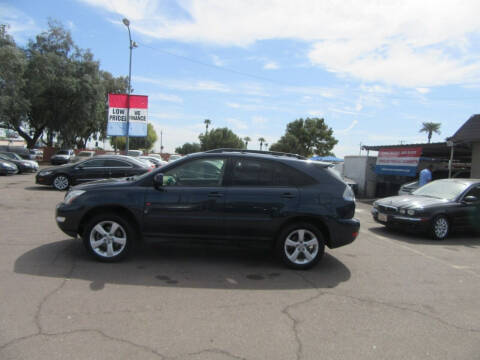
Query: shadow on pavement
column 467, row 239
column 156, row 264
column 40, row 188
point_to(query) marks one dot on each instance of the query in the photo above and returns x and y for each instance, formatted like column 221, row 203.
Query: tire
column 61, row 182
column 105, row 245
column 440, row 227
column 293, row 247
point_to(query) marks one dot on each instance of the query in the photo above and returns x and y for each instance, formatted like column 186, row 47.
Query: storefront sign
column 117, row 115
column 398, row 161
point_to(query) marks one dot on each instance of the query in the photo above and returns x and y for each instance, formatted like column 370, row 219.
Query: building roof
column 468, row 132
column 438, row 150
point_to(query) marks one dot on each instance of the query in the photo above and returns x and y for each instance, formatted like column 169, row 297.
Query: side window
column 474, row 192
column 94, row 163
column 200, row 172
column 252, row 172
column 117, row 163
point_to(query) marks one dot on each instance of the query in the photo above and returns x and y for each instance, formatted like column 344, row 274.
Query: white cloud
column 271, row 65
column 217, row 61
column 259, row 121
column 409, row 43
column 423, row 90
column 237, row 124
column 347, row 130
column 174, row 136
column 165, row 97
column 19, row 25
column 185, row 85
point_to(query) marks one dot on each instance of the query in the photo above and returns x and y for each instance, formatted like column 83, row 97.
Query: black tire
column 118, row 251
column 440, row 227
column 292, row 235
column 61, row 182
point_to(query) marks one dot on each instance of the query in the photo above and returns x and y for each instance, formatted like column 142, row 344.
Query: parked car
column 174, row 157
column 156, row 161
column 23, row 166
column 338, row 167
column 99, row 167
column 83, row 155
column 7, row 168
column 410, row 187
column 134, row 153
column 266, row 199
column 62, row 157
column 37, row 154
column 146, row 161
column 435, row 208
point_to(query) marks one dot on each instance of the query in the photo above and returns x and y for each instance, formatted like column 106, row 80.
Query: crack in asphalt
column 41, row 332
column 211, row 350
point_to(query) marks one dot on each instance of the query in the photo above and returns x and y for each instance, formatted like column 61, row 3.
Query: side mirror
column 158, row 180
column 470, row 199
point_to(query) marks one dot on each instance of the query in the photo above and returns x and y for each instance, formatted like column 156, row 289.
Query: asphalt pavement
column 389, row 295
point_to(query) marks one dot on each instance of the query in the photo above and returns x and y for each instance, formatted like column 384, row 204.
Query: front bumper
column 59, row 161
column 68, row 218
column 342, row 232
column 44, row 180
column 396, row 220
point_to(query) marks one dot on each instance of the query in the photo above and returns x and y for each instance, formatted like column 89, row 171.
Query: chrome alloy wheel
column 301, row 246
column 108, row 239
column 60, row 182
column 440, row 227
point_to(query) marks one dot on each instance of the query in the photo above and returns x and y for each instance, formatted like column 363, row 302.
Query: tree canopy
column 307, row 137
column 430, row 128
column 53, row 87
column 136, row 143
column 220, row 138
column 188, row 148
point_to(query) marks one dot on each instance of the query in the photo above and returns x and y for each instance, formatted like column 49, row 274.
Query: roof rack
column 245, row 151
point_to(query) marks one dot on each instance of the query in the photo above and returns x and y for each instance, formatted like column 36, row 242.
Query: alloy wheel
column 108, row 239
column 440, row 227
column 301, row 246
column 60, row 182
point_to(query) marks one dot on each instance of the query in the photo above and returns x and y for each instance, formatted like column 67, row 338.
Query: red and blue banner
column 118, row 105
column 398, row 161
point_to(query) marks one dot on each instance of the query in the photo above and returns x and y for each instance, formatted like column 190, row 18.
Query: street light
column 133, row 45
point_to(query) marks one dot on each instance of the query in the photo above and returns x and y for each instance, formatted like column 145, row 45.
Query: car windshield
column 62, row 152
column 442, row 189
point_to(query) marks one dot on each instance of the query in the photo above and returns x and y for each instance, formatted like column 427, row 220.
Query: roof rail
column 245, row 151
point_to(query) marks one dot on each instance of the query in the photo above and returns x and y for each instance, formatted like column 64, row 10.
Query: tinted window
column 252, row 172
column 116, row 163
column 474, row 192
column 94, row 163
column 201, row 172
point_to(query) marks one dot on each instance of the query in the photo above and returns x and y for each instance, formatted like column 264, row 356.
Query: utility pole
column 133, row 44
column 161, row 142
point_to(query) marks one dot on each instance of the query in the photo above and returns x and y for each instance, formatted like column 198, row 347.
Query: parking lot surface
column 388, row 295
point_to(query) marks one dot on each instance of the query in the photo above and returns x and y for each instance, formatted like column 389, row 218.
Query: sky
column 374, row 70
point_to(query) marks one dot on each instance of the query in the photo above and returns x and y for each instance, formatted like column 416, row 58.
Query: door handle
column 288, row 196
column 215, row 194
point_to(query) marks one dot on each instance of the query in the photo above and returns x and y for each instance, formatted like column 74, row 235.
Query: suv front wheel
column 300, row 246
column 108, row 237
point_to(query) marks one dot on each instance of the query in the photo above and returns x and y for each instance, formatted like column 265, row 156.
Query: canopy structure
column 326, row 158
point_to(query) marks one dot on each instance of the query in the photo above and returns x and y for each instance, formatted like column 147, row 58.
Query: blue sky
column 374, row 71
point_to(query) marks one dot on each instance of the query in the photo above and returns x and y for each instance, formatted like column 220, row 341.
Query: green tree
column 430, row 128
column 188, row 148
column 136, row 143
column 247, row 140
column 261, row 140
column 307, row 137
column 220, row 138
column 207, row 122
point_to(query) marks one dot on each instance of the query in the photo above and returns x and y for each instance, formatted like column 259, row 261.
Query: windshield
column 84, row 154
column 62, row 152
column 442, row 189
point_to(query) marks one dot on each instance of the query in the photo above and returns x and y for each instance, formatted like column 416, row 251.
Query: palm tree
column 430, row 128
column 266, row 146
column 262, row 140
column 207, row 122
column 247, row 140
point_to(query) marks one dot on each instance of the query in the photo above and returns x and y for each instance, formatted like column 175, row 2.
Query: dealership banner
column 398, row 161
column 118, row 105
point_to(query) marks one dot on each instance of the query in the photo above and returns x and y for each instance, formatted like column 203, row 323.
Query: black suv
column 244, row 197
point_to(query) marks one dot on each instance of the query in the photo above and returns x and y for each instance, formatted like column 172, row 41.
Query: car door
column 468, row 214
column 90, row 170
column 191, row 202
column 259, row 196
column 118, row 168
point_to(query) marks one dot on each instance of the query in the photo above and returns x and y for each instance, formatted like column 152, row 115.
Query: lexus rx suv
column 280, row 201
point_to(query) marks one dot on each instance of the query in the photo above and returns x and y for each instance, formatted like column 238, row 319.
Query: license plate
column 382, row 217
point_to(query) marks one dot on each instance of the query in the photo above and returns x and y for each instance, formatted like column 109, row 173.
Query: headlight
column 411, row 212
column 375, row 205
column 348, row 194
column 45, row 172
column 72, row 195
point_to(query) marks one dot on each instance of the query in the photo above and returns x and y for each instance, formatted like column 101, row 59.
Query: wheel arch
column 118, row 210
column 315, row 221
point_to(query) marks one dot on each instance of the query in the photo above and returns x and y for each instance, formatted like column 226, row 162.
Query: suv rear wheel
column 300, row 246
column 108, row 237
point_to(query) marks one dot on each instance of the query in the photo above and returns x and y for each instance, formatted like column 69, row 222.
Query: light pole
column 126, row 22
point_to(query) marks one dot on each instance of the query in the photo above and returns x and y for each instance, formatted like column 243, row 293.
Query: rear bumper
column 342, row 232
